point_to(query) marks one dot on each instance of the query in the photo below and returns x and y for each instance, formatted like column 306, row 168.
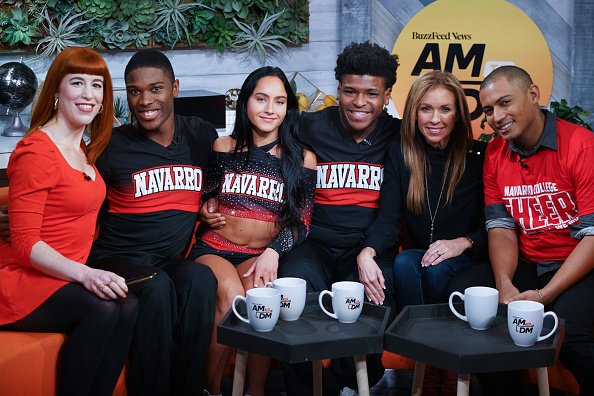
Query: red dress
column 48, row 201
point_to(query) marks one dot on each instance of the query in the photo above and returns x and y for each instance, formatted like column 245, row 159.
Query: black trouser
column 321, row 266
column 173, row 330
column 575, row 305
column 99, row 335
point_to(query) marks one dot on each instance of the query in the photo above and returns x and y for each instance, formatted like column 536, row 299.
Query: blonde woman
column 433, row 187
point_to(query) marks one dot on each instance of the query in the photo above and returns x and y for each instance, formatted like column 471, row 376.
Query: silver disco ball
column 18, row 84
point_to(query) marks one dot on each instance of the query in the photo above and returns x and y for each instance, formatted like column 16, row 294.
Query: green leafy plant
column 141, row 39
column 59, row 34
column 140, row 14
column 258, row 43
column 220, row 33
column 17, row 3
column 120, row 109
column 202, row 19
column 58, row 7
column 116, row 34
column 172, row 16
column 572, row 114
column 292, row 24
column 91, row 34
column 35, row 11
column 101, row 9
column 20, row 29
column 4, row 19
column 233, row 8
column 24, row 24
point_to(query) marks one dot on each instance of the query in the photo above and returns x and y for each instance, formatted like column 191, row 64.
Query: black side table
column 313, row 337
column 431, row 334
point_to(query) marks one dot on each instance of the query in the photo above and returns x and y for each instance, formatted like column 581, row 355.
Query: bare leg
column 258, row 365
column 229, row 285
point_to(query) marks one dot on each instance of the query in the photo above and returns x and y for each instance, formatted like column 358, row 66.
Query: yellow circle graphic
column 470, row 38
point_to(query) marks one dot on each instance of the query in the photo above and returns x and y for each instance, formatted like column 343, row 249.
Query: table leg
column 463, row 384
column 239, row 372
column 317, row 378
column 542, row 377
column 417, row 386
column 362, row 379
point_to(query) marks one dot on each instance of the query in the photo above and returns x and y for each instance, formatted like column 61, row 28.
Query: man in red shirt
column 539, row 198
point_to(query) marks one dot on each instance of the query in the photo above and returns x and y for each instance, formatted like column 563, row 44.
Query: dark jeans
column 175, row 320
column 416, row 285
column 321, row 266
column 99, row 335
column 575, row 305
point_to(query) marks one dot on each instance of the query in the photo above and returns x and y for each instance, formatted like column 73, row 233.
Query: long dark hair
column 413, row 142
column 291, row 148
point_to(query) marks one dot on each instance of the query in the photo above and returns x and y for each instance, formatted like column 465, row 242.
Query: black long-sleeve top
column 463, row 216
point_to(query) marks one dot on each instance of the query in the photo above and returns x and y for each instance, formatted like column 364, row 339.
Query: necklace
column 432, row 215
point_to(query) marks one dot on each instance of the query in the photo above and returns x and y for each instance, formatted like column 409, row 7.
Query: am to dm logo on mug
column 522, row 326
column 293, row 292
column 263, row 307
column 261, row 311
column 347, row 301
column 525, row 321
column 352, row 303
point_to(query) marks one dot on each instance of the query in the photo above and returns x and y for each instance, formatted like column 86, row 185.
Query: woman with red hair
column 55, row 194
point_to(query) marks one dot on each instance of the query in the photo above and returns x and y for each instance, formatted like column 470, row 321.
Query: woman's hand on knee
column 444, row 249
column 105, row 284
column 264, row 268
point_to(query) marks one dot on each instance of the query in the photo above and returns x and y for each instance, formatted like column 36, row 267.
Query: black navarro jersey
column 349, row 175
column 153, row 192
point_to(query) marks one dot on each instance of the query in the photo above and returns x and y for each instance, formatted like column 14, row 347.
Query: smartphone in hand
column 139, row 279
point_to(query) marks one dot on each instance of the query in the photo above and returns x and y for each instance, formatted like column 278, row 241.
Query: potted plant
column 120, row 111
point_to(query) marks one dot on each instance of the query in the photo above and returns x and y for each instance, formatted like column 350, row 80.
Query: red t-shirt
column 48, row 201
column 547, row 194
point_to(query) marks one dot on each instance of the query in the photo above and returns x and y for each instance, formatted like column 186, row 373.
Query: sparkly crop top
column 250, row 185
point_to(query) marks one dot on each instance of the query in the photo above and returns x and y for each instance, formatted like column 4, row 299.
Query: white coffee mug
column 524, row 322
column 480, row 305
column 293, row 291
column 263, row 307
column 347, row 301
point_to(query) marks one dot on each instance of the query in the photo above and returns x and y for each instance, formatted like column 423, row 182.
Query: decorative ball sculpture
column 231, row 98
column 18, row 84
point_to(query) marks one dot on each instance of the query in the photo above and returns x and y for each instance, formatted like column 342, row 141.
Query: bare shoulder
column 309, row 159
column 224, row 144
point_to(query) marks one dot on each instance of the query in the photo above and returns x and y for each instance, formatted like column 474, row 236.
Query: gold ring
column 102, row 286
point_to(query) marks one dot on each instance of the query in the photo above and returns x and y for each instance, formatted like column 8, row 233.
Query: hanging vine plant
column 45, row 27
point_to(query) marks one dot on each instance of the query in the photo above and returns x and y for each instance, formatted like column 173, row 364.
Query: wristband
column 540, row 295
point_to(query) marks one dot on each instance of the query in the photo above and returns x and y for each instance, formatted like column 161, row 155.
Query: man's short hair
column 367, row 59
column 150, row 58
column 514, row 74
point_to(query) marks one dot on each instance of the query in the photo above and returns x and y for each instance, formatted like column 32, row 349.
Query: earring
column 100, row 109
column 56, row 103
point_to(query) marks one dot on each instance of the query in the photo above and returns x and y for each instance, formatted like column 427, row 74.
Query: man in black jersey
column 153, row 170
column 350, row 142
